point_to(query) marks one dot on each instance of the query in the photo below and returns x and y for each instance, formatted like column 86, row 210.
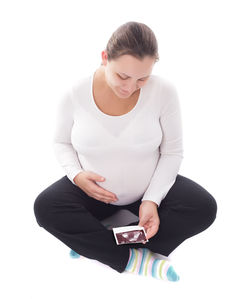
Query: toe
column 172, row 275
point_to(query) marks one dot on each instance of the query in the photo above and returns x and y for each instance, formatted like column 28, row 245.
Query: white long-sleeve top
column 138, row 153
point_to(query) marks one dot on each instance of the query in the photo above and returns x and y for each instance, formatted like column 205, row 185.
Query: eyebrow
column 129, row 77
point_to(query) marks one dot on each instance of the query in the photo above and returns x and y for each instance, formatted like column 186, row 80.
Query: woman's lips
column 124, row 92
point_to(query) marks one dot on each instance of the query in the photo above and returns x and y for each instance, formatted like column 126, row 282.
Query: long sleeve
column 171, row 150
column 63, row 148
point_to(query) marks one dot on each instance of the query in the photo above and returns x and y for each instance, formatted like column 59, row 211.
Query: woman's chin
column 122, row 95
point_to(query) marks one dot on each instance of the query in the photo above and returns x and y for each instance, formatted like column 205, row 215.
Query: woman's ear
column 104, row 57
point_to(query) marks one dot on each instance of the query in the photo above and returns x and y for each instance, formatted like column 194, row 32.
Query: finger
column 108, row 199
column 106, row 195
column 100, row 198
column 105, row 192
column 143, row 222
column 103, row 197
column 151, row 232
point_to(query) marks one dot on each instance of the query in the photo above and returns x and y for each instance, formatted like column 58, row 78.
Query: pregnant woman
column 118, row 138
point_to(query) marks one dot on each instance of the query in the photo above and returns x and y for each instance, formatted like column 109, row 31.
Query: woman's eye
column 127, row 78
column 121, row 77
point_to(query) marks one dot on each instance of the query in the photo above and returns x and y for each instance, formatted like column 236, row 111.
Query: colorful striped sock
column 142, row 262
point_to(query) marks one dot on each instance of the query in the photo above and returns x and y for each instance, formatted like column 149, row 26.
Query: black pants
column 68, row 213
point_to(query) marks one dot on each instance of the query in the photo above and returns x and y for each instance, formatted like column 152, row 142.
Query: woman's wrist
column 150, row 202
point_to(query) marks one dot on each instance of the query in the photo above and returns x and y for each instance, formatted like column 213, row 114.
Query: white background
column 204, row 50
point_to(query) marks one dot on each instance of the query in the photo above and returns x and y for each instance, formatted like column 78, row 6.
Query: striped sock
column 142, row 262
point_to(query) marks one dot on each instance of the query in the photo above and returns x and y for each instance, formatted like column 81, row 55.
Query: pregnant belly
column 128, row 179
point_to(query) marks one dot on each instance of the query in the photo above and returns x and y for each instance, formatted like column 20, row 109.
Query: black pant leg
column 65, row 211
column 187, row 210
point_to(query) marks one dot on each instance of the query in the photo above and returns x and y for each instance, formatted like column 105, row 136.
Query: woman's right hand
column 86, row 180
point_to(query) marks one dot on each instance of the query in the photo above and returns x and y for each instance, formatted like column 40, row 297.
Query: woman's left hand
column 149, row 218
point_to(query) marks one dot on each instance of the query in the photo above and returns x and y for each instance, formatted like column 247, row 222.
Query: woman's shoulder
column 82, row 84
column 162, row 82
column 166, row 91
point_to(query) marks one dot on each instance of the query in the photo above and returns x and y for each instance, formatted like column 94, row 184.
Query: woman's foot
column 74, row 255
column 141, row 261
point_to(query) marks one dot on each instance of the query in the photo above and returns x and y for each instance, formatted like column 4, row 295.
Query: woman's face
column 127, row 74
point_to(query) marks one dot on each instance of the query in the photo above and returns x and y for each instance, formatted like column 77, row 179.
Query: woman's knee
column 42, row 206
column 202, row 199
column 208, row 209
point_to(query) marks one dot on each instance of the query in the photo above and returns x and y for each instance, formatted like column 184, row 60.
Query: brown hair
column 135, row 39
